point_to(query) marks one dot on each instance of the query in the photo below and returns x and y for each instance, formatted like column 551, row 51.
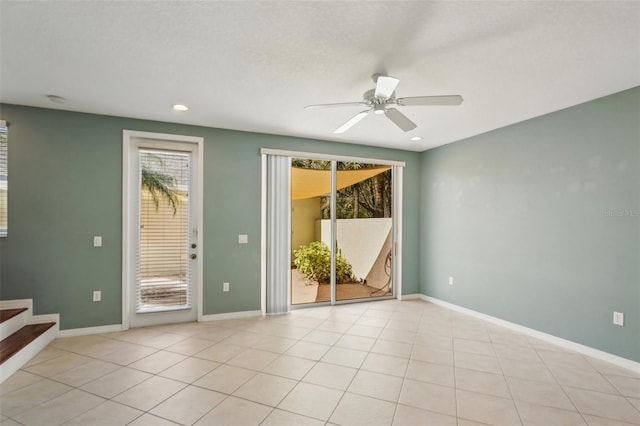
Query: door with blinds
column 164, row 244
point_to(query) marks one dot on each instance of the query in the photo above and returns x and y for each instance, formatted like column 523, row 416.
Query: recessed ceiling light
column 416, row 138
column 56, row 99
column 180, row 107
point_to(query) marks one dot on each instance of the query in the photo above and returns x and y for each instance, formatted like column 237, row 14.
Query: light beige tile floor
column 376, row 363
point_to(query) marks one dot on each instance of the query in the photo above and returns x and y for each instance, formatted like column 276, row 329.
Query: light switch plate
column 243, row 239
column 97, row 241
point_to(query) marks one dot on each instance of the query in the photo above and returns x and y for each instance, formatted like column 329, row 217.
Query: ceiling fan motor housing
column 369, row 98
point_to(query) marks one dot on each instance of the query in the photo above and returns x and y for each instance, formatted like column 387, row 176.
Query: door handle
column 194, row 256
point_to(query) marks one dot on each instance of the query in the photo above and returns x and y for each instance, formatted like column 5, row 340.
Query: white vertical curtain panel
column 278, row 234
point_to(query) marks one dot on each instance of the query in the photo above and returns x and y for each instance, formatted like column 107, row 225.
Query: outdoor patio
column 307, row 291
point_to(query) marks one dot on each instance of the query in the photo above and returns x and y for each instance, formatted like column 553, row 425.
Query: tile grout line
column 504, row 377
column 249, row 327
column 561, row 386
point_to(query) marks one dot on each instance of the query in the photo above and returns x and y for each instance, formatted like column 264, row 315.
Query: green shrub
column 314, row 261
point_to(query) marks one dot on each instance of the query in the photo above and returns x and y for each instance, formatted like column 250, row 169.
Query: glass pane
column 363, row 231
column 163, row 266
column 310, row 231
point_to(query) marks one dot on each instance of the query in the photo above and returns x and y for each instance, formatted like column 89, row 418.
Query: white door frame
column 129, row 240
column 396, row 216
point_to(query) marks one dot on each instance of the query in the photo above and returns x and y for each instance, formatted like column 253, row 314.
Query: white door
column 162, row 248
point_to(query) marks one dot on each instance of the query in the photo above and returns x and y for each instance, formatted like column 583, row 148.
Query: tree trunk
column 378, row 195
column 387, row 194
column 356, row 201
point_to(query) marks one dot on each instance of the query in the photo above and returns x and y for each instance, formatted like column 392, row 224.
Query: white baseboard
column 30, row 317
column 558, row 341
column 412, row 296
column 39, row 319
column 17, row 303
column 73, row 332
column 102, row 329
column 230, row 315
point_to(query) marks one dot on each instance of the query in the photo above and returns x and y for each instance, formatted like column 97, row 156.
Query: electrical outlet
column 97, row 241
column 450, row 280
column 97, row 296
column 243, row 239
column 618, row 318
column 225, row 286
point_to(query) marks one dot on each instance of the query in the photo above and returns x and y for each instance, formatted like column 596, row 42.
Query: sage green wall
column 66, row 186
column 539, row 223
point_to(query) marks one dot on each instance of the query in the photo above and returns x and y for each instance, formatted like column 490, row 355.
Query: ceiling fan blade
column 430, row 100
column 334, row 105
column 352, row 122
column 385, row 86
column 399, row 119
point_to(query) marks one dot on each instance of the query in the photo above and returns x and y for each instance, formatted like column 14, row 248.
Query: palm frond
column 159, row 186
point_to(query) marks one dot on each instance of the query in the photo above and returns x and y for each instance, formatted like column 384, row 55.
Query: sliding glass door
column 341, row 231
column 363, row 231
column 310, row 209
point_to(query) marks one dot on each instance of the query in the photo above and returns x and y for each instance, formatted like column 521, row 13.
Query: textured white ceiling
column 254, row 65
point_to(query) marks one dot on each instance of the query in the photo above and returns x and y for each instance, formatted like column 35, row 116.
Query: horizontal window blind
column 163, row 254
column 4, row 178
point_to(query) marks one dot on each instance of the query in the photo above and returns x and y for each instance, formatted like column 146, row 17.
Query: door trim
column 128, row 139
column 330, row 157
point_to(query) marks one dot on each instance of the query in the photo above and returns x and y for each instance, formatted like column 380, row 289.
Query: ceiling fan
column 378, row 101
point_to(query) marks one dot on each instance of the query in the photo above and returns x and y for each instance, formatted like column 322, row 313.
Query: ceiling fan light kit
column 379, row 99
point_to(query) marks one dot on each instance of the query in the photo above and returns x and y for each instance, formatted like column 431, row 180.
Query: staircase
column 22, row 335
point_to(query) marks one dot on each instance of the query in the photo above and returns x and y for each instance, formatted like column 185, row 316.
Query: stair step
column 21, row 338
column 7, row 314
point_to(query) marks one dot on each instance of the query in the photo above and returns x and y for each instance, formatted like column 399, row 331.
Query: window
column 4, row 178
